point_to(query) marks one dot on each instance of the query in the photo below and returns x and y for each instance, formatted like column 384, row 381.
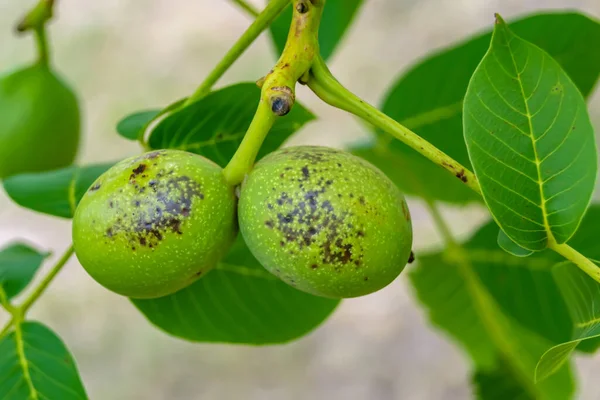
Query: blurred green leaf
column 215, row 125
column 35, row 364
column 530, row 140
column 502, row 384
column 428, row 99
column 55, row 192
column 511, row 247
column 505, row 311
column 337, row 17
column 582, row 294
column 238, row 302
column 412, row 173
column 498, row 384
column 131, row 126
column 18, row 265
column 134, row 125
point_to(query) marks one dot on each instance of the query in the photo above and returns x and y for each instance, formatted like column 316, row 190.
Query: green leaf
column 337, row 17
column 499, row 384
column 506, row 311
column 134, row 125
column 238, row 302
column 412, row 173
column 540, row 307
column 55, row 192
column 18, row 265
column 131, row 126
column 582, row 294
column 502, row 384
column 511, row 247
column 456, row 293
column 35, row 364
column 428, row 99
column 530, row 140
column 215, row 125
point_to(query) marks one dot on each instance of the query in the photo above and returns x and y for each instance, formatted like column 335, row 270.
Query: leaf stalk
column 278, row 88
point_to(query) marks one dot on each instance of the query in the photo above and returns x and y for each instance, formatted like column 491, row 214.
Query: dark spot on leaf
column 411, row 258
column 95, row 187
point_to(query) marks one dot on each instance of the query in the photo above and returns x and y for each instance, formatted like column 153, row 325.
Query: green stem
column 36, row 20
column 278, row 92
column 243, row 159
column 576, row 258
column 6, row 329
column 4, row 301
column 247, row 7
column 42, row 46
column 324, row 84
column 18, row 313
column 262, row 22
column 39, row 290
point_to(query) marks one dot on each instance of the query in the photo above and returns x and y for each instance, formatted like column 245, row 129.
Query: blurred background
column 125, row 55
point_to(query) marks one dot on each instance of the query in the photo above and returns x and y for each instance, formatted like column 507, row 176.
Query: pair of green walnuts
column 320, row 219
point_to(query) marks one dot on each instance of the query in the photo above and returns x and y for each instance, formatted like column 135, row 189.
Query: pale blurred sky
column 124, row 55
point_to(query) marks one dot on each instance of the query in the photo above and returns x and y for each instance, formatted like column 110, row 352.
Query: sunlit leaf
column 55, row 192
column 238, row 302
column 530, row 141
column 428, row 99
column 35, row 364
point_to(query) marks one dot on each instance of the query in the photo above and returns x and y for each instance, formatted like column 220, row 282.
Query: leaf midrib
column 19, row 343
column 528, row 115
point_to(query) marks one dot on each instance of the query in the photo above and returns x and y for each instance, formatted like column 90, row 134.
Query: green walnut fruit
column 325, row 221
column 154, row 224
column 39, row 122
